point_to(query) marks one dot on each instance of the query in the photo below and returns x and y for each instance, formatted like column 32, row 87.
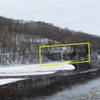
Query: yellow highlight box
column 41, row 65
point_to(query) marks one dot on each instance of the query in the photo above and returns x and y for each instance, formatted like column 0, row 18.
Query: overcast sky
column 79, row 15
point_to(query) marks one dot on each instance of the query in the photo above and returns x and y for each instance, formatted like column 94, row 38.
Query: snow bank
column 34, row 69
column 11, row 80
column 25, row 70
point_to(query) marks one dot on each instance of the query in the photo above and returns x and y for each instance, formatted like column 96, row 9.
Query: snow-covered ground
column 11, row 80
column 34, row 69
column 98, row 56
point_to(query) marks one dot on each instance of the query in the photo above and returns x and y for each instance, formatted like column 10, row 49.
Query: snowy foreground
column 26, row 70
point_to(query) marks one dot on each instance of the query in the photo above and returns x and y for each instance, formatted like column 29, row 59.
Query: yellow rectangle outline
column 41, row 65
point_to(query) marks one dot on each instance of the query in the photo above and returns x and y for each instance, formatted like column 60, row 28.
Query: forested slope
column 19, row 39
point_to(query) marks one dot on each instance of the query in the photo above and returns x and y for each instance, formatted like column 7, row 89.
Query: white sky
column 79, row 15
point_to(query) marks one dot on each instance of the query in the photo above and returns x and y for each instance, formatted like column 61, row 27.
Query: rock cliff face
column 67, row 53
column 75, row 54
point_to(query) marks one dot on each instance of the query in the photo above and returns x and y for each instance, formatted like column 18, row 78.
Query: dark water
column 56, row 87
